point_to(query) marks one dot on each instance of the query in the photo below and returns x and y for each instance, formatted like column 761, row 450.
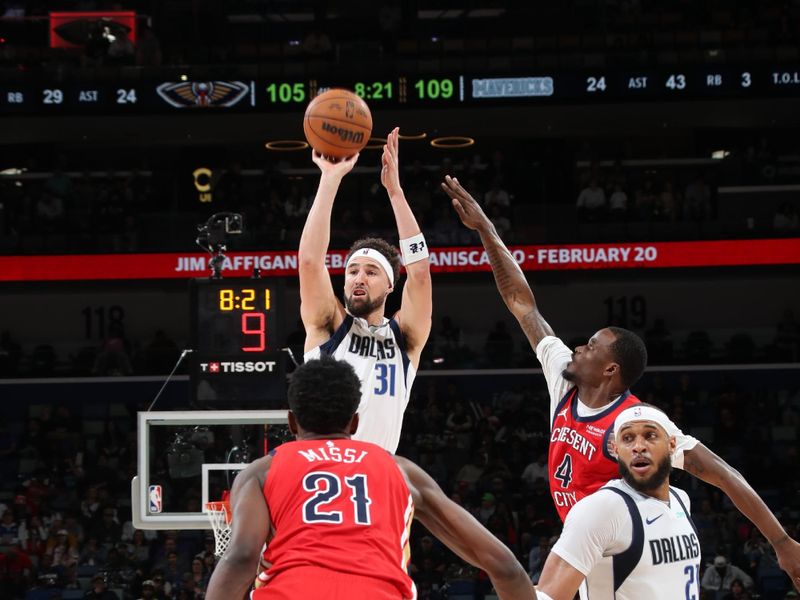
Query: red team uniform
column 341, row 510
column 579, row 462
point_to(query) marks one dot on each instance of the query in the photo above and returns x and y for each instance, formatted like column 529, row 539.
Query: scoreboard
column 446, row 90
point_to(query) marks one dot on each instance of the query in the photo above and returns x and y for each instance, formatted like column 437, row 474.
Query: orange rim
column 220, row 505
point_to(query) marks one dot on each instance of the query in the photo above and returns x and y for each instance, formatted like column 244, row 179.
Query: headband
column 379, row 258
column 643, row 413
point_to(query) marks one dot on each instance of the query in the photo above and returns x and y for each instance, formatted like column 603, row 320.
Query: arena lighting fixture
column 12, row 171
column 720, row 154
column 413, row 136
column 286, row 145
column 452, row 141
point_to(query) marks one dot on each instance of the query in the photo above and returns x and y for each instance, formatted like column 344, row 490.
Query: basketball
column 337, row 123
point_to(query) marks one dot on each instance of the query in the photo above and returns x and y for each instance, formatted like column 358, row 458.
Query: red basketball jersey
column 579, row 462
column 341, row 505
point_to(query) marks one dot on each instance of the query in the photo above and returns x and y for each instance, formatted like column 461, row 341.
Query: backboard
column 187, row 458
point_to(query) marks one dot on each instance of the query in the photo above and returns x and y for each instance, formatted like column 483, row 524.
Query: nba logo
column 154, row 499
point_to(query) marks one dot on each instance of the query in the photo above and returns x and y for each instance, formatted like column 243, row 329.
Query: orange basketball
column 337, row 123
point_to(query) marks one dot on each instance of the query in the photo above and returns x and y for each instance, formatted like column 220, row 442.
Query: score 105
column 419, row 90
column 254, row 306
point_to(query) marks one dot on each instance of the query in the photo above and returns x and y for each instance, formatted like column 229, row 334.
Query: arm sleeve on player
column 586, row 539
column 683, row 443
column 553, row 354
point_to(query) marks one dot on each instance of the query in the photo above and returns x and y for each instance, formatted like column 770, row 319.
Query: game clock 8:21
column 235, row 317
column 236, row 337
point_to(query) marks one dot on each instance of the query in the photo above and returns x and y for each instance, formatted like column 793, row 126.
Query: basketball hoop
column 219, row 513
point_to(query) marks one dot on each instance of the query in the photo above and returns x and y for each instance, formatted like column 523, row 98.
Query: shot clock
column 237, row 336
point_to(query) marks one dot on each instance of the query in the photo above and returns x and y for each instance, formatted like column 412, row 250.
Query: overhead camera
column 212, row 236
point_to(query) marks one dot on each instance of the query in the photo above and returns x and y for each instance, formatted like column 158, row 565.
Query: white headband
column 379, row 258
column 642, row 413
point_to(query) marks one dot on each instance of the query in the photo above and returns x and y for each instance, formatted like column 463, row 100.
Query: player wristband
column 413, row 249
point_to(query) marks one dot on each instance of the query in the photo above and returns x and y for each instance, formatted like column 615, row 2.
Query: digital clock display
column 512, row 88
column 236, row 336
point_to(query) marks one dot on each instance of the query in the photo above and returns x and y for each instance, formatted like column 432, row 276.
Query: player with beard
column 589, row 387
column 645, row 545
column 385, row 352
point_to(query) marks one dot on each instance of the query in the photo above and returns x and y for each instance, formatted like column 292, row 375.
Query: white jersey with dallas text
column 631, row 546
column 378, row 355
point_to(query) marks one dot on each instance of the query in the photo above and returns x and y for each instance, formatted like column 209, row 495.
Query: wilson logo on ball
column 346, row 135
column 337, row 123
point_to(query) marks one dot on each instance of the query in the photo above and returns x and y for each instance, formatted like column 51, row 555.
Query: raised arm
column 320, row 310
column 508, row 277
column 706, row 465
column 250, row 527
column 414, row 316
column 465, row 536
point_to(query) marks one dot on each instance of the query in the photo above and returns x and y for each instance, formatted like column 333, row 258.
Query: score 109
column 253, row 317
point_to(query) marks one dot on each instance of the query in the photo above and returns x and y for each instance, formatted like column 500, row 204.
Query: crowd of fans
column 629, row 30
column 64, row 208
column 447, row 348
column 65, row 522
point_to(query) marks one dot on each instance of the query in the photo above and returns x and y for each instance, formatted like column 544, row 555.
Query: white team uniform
column 378, row 355
column 553, row 354
column 640, row 548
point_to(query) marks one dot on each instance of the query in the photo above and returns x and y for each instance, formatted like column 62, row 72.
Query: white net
column 219, row 513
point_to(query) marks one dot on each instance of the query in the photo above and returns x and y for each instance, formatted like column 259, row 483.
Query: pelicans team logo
column 188, row 94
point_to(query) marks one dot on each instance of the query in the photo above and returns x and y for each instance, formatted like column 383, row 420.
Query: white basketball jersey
column 378, row 355
column 631, row 546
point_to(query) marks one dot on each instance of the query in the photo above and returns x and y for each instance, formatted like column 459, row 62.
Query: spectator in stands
column 459, row 423
column 499, row 219
column 786, row 219
column 16, row 571
column 535, row 470
column 618, row 204
column 538, row 556
column 664, row 206
column 64, row 553
column 99, row 590
column 197, row 582
column 591, row 202
column 487, row 508
column 497, row 196
column 148, row 590
column 50, row 212
column 107, row 530
column 113, row 359
column 646, row 199
column 10, row 354
column 9, row 527
column 697, row 200
column 738, row 592
column 721, row 575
